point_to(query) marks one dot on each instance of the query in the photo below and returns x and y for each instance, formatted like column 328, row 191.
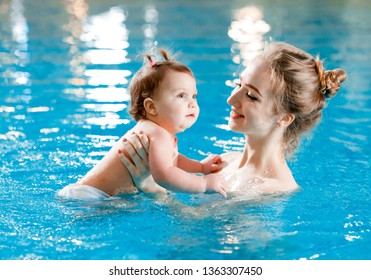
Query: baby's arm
column 212, row 163
column 171, row 177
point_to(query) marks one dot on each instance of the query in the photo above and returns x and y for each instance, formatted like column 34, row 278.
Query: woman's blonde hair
column 300, row 86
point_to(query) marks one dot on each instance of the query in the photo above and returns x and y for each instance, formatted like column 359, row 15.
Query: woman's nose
column 233, row 98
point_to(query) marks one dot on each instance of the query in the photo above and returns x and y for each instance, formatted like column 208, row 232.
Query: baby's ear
column 149, row 106
column 286, row 120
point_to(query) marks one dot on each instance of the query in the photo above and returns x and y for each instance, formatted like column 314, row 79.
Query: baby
column 163, row 102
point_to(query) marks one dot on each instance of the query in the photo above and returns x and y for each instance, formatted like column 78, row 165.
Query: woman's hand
column 134, row 156
column 211, row 164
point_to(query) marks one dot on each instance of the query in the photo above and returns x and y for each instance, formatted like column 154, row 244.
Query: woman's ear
column 286, row 120
column 149, row 106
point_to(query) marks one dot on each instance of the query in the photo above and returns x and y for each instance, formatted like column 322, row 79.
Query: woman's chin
column 232, row 126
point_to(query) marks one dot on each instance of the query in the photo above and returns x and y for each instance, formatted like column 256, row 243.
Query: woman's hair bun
column 332, row 81
column 329, row 80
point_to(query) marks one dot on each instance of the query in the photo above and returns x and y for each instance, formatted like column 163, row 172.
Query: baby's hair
column 165, row 55
column 299, row 86
column 148, row 78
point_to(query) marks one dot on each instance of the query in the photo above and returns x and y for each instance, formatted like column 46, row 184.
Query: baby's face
column 176, row 102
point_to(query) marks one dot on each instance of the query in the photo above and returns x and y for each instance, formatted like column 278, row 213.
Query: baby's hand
column 211, row 164
column 215, row 183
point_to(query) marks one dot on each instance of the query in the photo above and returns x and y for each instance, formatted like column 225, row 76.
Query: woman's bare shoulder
column 273, row 186
column 230, row 156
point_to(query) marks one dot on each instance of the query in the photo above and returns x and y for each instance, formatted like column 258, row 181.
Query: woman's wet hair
column 149, row 77
column 300, row 85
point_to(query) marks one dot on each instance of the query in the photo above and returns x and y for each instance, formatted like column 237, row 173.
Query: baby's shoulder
column 151, row 129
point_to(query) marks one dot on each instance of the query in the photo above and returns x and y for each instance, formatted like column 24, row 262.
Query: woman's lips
column 235, row 115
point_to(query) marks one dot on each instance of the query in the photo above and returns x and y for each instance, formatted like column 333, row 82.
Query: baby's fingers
column 216, row 167
column 223, row 192
column 217, row 159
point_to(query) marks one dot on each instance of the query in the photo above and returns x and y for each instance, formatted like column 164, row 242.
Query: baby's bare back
column 110, row 175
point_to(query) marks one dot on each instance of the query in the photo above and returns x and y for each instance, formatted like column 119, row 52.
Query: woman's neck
column 264, row 156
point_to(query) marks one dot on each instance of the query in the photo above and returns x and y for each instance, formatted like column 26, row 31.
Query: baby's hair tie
column 150, row 60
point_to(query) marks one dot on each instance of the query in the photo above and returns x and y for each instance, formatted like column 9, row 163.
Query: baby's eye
column 194, row 96
column 181, row 95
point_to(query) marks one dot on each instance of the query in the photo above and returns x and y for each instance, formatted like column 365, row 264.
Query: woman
column 278, row 98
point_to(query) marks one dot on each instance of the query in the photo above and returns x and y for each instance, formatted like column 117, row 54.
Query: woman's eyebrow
column 251, row 86
column 254, row 88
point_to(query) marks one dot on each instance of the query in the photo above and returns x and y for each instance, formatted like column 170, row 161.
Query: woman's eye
column 251, row 97
column 237, row 84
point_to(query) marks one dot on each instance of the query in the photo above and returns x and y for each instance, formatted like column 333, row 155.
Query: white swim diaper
column 81, row 192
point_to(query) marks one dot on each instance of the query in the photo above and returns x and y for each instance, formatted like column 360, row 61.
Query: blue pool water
column 64, row 66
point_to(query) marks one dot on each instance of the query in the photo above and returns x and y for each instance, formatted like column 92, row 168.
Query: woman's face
column 252, row 106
